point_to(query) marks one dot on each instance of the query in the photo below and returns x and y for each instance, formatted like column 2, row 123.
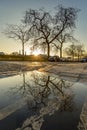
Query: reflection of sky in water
column 43, row 93
column 80, row 91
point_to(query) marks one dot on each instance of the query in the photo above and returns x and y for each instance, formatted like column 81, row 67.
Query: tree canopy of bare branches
column 49, row 27
column 48, row 30
column 75, row 50
column 18, row 32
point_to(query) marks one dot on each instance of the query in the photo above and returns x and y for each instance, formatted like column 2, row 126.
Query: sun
column 37, row 52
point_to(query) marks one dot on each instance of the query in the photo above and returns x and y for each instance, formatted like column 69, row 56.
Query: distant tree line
column 75, row 51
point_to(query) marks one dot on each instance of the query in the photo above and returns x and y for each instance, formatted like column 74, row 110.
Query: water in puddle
column 40, row 101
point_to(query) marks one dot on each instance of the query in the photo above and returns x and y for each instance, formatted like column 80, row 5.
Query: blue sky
column 12, row 11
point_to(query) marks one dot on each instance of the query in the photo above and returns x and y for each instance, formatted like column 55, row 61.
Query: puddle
column 40, row 101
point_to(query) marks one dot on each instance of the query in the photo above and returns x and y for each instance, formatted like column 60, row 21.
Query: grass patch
column 23, row 58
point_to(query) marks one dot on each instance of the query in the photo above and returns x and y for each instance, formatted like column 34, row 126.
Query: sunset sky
column 12, row 11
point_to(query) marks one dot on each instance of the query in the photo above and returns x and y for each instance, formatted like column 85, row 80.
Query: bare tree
column 18, row 32
column 47, row 27
column 79, row 51
column 63, row 38
column 75, row 50
column 71, row 51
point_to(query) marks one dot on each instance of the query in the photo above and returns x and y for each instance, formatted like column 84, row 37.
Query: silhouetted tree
column 63, row 38
column 75, row 50
column 18, row 32
column 71, row 50
column 48, row 27
column 79, row 51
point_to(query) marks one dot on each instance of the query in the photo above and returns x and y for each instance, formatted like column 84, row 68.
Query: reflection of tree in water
column 67, row 103
column 45, row 94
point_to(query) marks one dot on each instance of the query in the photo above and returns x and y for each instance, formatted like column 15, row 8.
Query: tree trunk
column 48, row 50
column 23, row 48
column 61, row 52
column 61, row 48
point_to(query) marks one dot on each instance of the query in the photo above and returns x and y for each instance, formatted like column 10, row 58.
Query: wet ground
column 38, row 100
column 70, row 71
